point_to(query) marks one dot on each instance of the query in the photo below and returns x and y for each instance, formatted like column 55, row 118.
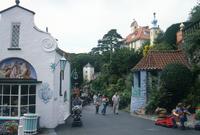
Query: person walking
column 105, row 101
column 94, row 98
column 97, row 103
column 115, row 100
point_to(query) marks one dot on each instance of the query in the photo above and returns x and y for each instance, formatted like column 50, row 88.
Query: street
column 122, row 124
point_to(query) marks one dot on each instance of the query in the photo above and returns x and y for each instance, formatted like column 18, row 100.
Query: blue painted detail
column 136, row 92
column 45, row 93
column 30, row 123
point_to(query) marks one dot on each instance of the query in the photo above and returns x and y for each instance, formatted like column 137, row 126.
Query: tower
column 154, row 29
column 134, row 26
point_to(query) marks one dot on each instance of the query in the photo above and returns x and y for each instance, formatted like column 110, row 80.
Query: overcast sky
column 78, row 24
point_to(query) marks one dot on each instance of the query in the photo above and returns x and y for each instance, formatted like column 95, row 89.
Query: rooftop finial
column 154, row 22
column 17, row 2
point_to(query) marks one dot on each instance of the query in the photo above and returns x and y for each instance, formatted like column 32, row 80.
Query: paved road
column 122, row 124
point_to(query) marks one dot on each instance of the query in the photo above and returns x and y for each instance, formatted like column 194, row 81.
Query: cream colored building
column 88, row 72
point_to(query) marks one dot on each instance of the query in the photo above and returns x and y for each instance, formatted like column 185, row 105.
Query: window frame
column 11, row 44
column 19, row 95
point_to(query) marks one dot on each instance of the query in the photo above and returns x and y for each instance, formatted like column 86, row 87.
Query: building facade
column 138, row 36
column 148, row 68
column 31, row 79
column 141, row 34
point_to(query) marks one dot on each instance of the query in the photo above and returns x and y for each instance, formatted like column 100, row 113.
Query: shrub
column 125, row 99
column 197, row 115
column 176, row 80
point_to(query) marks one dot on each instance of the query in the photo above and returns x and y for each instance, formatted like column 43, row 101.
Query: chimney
column 180, row 37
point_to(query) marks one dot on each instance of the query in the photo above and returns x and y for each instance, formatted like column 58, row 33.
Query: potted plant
column 11, row 127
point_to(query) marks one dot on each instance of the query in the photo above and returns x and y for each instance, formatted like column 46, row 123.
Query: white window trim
column 19, row 101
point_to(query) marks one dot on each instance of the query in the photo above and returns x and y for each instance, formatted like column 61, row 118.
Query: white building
column 88, row 72
column 138, row 36
column 31, row 80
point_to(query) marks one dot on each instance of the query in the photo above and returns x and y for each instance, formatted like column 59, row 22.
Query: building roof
column 62, row 53
column 141, row 33
column 88, row 65
column 18, row 7
column 157, row 60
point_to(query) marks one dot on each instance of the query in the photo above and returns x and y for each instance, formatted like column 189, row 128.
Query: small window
column 15, row 35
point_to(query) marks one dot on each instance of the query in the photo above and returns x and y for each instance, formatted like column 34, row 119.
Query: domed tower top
column 155, row 21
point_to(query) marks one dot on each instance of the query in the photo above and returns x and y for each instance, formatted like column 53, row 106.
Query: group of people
column 104, row 101
column 180, row 114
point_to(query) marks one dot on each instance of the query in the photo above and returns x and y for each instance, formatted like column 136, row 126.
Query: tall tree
column 110, row 41
column 195, row 13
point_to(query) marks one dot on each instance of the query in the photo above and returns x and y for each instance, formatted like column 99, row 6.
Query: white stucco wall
column 136, row 44
column 31, row 43
column 138, row 98
column 88, row 73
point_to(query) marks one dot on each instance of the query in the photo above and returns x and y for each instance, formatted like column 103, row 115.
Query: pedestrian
column 105, row 101
column 94, row 98
column 77, row 101
column 180, row 113
column 97, row 103
column 115, row 100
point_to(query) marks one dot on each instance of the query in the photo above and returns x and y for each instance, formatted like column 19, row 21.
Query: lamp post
column 53, row 66
column 63, row 62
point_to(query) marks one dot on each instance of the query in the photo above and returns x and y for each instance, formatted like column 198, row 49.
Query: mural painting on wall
column 45, row 93
column 16, row 68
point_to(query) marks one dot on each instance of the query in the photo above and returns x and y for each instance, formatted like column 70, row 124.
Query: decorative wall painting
column 16, row 68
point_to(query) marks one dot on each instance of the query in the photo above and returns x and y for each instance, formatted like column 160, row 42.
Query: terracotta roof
column 141, row 33
column 18, row 7
column 157, row 60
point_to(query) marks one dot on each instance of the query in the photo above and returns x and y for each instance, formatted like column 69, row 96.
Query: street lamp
column 63, row 62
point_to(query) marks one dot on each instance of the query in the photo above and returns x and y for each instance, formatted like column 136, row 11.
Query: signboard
column 16, row 68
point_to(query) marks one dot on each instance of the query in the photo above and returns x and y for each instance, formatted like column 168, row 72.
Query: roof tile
column 157, row 60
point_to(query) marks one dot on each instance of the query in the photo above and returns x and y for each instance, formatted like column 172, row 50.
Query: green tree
column 123, row 60
column 78, row 61
column 176, row 80
column 195, row 13
column 110, row 41
column 162, row 46
column 192, row 47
